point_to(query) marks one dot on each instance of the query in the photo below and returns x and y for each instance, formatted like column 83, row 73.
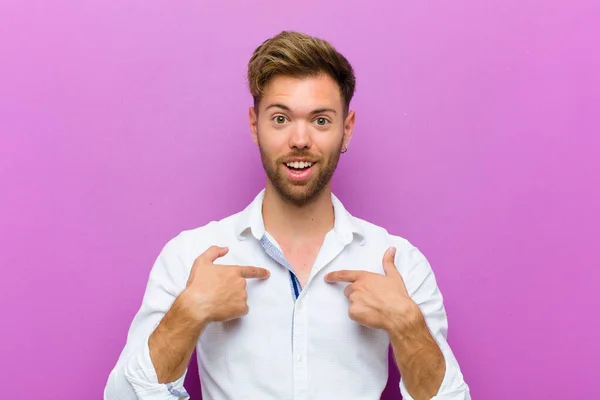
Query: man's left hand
column 379, row 301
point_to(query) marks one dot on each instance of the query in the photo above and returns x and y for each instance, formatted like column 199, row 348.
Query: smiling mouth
column 299, row 165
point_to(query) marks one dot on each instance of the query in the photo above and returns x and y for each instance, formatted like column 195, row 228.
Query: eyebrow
column 286, row 108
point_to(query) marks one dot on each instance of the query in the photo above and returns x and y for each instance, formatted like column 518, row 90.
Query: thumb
column 214, row 252
column 388, row 262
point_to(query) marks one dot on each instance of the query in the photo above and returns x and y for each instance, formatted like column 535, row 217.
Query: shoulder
column 380, row 235
column 412, row 264
column 410, row 261
column 190, row 243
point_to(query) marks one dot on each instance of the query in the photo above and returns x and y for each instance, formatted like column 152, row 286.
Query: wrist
column 192, row 309
column 406, row 324
column 411, row 339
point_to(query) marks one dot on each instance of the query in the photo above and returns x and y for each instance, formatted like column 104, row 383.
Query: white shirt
column 295, row 343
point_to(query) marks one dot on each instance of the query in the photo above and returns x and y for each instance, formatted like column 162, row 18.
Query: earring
column 344, row 150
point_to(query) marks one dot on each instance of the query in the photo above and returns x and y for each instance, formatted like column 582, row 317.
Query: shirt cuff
column 453, row 386
column 140, row 373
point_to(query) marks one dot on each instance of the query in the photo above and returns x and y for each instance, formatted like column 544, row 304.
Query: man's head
column 302, row 88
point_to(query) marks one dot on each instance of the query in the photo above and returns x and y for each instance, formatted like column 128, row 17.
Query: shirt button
column 299, row 358
column 299, row 305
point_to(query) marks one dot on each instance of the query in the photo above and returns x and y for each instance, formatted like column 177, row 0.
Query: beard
column 300, row 193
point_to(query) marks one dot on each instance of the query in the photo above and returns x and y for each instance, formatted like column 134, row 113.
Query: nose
column 300, row 137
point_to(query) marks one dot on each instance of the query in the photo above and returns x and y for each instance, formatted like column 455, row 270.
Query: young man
column 292, row 298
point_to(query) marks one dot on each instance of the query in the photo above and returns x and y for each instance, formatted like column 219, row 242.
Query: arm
column 423, row 359
column 134, row 377
column 412, row 314
column 154, row 361
column 417, row 355
column 172, row 342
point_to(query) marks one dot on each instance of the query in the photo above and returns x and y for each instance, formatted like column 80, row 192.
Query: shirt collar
column 345, row 226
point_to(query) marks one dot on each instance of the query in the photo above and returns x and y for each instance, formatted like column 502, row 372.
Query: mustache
column 299, row 154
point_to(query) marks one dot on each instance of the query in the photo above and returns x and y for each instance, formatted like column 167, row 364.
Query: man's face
column 300, row 130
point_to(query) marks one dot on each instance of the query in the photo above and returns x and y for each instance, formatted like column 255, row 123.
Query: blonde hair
column 299, row 55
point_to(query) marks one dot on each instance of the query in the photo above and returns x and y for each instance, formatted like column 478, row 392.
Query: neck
column 290, row 222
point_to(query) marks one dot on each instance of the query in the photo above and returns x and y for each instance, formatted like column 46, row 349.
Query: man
column 292, row 298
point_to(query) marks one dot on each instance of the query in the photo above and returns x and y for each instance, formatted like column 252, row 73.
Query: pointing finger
column 254, row 272
column 343, row 276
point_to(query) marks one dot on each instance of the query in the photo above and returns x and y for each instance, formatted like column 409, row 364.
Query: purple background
column 477, row 138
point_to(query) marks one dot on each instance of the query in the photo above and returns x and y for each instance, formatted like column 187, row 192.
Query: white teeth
column 299, row 164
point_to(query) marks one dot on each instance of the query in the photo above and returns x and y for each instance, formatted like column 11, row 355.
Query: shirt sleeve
column 134, row 376
column 423, row 289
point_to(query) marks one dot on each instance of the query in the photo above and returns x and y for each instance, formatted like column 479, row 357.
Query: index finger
column 254, row 272
column 343, row 275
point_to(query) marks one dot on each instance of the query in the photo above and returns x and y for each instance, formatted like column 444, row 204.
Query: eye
column 279, row 119
column 322, row 121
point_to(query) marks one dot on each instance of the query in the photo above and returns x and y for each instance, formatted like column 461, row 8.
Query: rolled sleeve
column 134, row 376
column 453, row 386
column 141, row 374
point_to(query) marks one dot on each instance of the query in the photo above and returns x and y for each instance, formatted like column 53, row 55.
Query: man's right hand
column 213, row 293
column 218, row 292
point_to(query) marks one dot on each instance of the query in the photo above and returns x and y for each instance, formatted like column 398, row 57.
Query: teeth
column 299, row 164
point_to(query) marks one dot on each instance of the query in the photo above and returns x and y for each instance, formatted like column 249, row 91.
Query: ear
column 253, row 121
column 349, row 127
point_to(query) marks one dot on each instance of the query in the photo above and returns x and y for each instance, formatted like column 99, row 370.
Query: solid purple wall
column 477, row 138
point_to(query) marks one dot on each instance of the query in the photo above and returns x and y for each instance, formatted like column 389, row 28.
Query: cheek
column 273, row 143
column 328, row 141
column 270, row 136
column 270, row 149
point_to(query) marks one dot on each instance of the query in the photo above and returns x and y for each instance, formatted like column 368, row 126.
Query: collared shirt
column 296, row 342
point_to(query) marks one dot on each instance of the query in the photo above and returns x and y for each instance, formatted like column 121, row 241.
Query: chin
column 299, row 195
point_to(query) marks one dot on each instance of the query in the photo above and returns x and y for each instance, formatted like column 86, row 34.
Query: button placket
column 300, row 349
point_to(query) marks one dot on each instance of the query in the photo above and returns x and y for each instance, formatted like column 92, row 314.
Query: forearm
column 419, row 358
column 172, row 342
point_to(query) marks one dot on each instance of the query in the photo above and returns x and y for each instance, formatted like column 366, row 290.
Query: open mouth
column 299, row 171
column 299, row 166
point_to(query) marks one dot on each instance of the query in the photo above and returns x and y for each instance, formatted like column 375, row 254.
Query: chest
column 302, row 254
column 286, row 339
column 302, row 260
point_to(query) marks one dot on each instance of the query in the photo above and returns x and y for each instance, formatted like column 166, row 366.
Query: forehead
column 303, row 94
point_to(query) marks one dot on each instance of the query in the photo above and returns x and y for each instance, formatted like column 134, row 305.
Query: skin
column 382, row 302
column 213, row 293
column 299, row 117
